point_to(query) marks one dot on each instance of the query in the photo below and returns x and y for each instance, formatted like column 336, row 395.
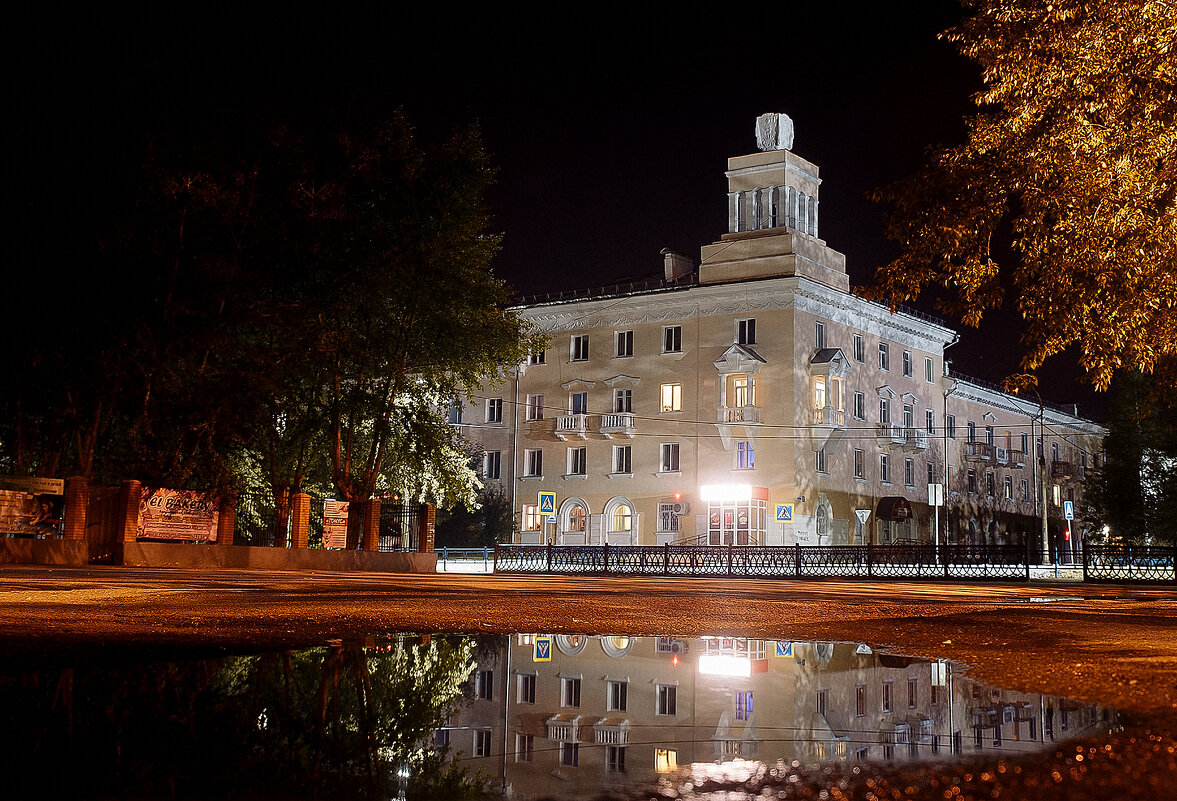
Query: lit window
column 622, row 518
column 744, row 705
column 577, row 517
column 672, row 397
column 532, row 519
column 665, row 760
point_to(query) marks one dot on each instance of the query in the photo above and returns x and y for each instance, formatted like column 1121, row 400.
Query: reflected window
column 615, row 758
column 524, row 747
column 617, row 696
column 525, row 689
column 616, row 647
column 571, row 644
column 570, row 692
column 665, row 760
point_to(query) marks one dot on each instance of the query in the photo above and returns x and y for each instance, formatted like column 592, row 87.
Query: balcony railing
column 1017, row 458
column 618, row 423
column 978, row 452
column 1062, row 470
column 829, row 416
column 1000, row 455
column 891, row 434
column 915, row 439
column 572, row 425
column 738, row 414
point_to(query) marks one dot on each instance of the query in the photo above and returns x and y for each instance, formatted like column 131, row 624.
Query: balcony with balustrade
column 1017, row 458
column 1062, row 470
column 891, row 434
column 572, row 426
column 915, row 439
column 738, row 415
column 829, row 427
column 978, row 452
column 618, row 424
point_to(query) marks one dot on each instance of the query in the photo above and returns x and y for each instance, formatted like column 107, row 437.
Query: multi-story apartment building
column 752, row 398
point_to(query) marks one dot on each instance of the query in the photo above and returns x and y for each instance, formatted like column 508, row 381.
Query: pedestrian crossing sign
column 1069, row 510
column 543, row 648
column 784, row 648
column 784, row 513
column 547, row 503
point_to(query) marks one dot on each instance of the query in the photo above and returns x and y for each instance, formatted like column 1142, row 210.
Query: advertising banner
column 24, row 514
column 168, row 514
column 334, row 523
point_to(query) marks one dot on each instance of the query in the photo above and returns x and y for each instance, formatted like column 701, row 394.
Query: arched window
column 622, row 517
column 576, row 518
column 822, row 525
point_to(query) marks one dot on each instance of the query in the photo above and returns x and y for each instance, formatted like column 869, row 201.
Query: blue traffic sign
column 784, row 513
column 1069, row 510
column 547, row 503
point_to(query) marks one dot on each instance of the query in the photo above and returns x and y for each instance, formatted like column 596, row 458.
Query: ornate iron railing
column 1001, row 563
column 1129, row 563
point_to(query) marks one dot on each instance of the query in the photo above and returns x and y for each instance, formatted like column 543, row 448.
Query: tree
column 1134, row 492
column 1073, row 158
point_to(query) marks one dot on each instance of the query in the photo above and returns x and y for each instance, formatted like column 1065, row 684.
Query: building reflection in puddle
column 566, row 715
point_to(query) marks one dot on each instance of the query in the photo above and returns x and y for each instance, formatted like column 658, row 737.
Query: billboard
column 168, row 514
column 334, row 523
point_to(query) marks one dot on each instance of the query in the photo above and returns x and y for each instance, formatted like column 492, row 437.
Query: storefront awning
column 893, row 507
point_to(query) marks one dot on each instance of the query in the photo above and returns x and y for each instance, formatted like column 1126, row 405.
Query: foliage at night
column 292, row 309
column 1073, row 158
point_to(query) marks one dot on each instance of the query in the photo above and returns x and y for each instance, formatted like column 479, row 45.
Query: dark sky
column 610, row 128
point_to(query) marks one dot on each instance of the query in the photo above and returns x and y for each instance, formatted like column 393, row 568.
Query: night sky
column 611, row 129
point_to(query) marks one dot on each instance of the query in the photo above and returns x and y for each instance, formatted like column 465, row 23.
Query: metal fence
column 398, row 526
column 1130, row 563
column 257, row 521
column 986, row 562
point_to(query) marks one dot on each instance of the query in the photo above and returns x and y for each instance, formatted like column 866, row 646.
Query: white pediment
column 578, row 382
column 886, row 392
column 739, row 359
column 621, row 379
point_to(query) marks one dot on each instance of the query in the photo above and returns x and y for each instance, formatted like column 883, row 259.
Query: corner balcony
column 569, row 426
column 829, row 428
column 915, row 439
column 618, row 424
column 891, row 434
column 978, row 452
column 738, row 415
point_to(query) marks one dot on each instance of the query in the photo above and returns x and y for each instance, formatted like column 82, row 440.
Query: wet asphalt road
column 1103, row 644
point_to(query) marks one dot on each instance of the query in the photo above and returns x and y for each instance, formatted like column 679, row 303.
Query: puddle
column 524, row 716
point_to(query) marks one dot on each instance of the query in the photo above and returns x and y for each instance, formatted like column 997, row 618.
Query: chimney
column 676, row 265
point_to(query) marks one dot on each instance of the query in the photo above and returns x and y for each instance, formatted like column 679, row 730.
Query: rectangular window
column 859, row 406
column 577, row 403
column 745, row 456
column 860, row 701
column 988, row 435
column 454, row 415
column 524, row 747
column 533, row 462
column 820, row 335
column 1026, row 490
column 615, row 758
column 622, row 459
column 494, row 410
column 884, row 356
column 484, row 685
column 930, row 421
column 932, row 472
column 669, row 460
column 672, row 397
column 886, row 696
column 622, row 400
column 746, row 331
column 481, row 743
column 535, row 407
column 990, row 485
column 624, row 343
column 570, row 692
column 1025, row 444
column 1009, row 488
column 539, row 357
column 820, row 460
column 822, row 701
column 525, row 688
column 884, row 469
column 972, row 431
column 744, row 705
column 578, row 351
column 570, row 754
column 618, row 696
column 950, row 425
column 859, row 349
column 665, row 760
column 929, row 370
column 666, row 696
column 912, row 692
column 907, row 366
column 672, row 339
column 491, row 463
column 909, row 472
column 1054, row 451
column 971, row 480
column 668, row 516
column 884, row 410
column 577, row 461
column 859, row 463
column 532, row 519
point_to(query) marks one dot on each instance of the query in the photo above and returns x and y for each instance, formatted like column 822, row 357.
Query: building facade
column 752, row 399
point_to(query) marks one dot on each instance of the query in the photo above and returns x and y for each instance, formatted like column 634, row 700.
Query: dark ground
column 1113, row 645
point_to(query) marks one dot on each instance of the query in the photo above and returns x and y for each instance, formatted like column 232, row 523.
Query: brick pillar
column 371, row 536
column 130, row 496
column 300, row 520
column 227, row 518
column 77, row 498
column 426, row 521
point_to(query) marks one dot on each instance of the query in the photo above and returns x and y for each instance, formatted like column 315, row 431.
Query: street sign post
column 1069, row 510
column 784, row 513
